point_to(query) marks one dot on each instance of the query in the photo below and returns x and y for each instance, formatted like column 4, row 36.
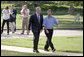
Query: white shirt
column 26, row 11
column 37, row 15
column 6, row 14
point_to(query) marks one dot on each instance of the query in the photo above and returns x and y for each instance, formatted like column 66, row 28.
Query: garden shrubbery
column 57, row 9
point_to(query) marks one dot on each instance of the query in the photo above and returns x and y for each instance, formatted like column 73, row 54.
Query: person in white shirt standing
column 6, row 18
column 25, row 13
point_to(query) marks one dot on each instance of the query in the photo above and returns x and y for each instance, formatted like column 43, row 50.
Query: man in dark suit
column 35, row 23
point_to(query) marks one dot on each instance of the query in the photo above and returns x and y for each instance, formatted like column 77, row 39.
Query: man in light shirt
column 25, row 13
column 48, row 25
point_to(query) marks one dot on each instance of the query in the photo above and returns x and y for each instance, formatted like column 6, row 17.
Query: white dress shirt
column 38, row 16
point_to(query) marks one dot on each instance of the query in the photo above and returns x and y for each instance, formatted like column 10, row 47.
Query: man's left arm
column 57, row 22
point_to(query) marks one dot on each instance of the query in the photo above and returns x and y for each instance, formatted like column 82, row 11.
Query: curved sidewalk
column 30, row 50
column 17, row 34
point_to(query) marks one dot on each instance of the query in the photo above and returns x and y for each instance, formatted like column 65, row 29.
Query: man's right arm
column 30, row 22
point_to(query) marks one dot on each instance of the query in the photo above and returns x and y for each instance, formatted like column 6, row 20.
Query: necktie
column 39, row 18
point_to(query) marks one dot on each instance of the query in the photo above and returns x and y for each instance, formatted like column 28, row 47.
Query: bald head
column 38, row 10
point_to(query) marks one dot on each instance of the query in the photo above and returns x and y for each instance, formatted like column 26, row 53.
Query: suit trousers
column 36, row 40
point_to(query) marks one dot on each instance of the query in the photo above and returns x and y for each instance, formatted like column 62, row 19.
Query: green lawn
column 65, row 23
column 61, row 43
column 63, row 18
column 14, row 53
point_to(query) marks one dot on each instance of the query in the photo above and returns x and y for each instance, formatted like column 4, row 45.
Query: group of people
column 37, row 23
column 9, row 17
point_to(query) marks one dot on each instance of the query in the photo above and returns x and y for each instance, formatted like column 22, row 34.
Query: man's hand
column 47, row 31
column 28, row 32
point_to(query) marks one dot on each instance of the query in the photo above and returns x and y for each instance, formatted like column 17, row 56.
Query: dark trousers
column 15, row 25
column 36, row 40
column 5, row 21
column 49, row 38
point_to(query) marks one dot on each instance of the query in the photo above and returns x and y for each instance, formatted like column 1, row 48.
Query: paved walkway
column 30, row 50
column 17, row 34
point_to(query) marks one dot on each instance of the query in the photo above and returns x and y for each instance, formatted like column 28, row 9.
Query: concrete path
column 30, row 50
column 17, row 34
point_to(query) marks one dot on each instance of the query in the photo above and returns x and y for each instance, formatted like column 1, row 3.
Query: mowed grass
column 61, row 43
column 14, row 53
column 66, row 21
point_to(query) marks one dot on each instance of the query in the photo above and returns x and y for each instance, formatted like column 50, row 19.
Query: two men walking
column 36, row 23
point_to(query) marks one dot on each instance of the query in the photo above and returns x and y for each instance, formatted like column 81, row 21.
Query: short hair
column 38, row 8
column 49, row 10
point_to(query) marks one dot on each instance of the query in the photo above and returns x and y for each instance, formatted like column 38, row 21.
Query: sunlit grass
column 14, row 53
column 61, row 43
column 63, row 20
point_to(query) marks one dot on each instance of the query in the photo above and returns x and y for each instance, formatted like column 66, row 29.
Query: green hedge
column 57, row 10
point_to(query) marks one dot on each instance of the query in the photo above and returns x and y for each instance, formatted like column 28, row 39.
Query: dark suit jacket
column 34, row 24
column 13, row 16
column 14, row 12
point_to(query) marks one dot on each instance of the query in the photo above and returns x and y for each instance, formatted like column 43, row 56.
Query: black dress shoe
column 46, row 50
column 53, row 50
column 36, row 51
